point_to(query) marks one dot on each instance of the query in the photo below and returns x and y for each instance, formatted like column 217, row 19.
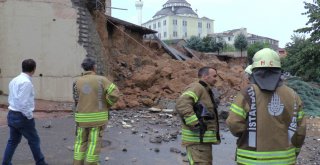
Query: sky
column 275, row 19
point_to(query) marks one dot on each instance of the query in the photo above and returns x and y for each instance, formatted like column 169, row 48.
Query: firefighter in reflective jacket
column 93, row 95
column 267, row 116
column 198, row 110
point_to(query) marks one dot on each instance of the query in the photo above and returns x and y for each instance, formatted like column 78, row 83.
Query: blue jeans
column 19, row 125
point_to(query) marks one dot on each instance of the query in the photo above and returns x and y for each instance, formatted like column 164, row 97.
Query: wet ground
column 131, row 137
column 136, row 137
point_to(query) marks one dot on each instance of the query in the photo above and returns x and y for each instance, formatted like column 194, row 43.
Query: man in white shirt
column 20, row 115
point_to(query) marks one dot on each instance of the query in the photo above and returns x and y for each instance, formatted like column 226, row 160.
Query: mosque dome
column 176, row 7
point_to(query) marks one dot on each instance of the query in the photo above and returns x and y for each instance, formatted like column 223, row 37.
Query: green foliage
column 313, row 14
column 253, row 48
column 228, row 48
column 303, row 59
column 207, row 44
column 241, row 42
column 168, row 42
column 310, row 95
column 304, row 54
column 195, row 43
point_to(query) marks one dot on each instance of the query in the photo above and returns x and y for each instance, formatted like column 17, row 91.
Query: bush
column 309, row 94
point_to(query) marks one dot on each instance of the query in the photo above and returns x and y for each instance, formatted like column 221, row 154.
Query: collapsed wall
column 59, row 34
column 146, row 74
column 145, row 80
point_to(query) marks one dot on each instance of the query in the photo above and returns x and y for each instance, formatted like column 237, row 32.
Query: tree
column 304, row 53
column 303, row 58
column 218, row 44
column 253, row 48
column 241, row 42
column 313, row 14
column 228, row 48
column 208, row 43
column 195, row 43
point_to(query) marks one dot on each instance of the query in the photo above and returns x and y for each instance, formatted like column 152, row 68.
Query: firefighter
column 93, row 96
column 198, row 110
column 267, row 116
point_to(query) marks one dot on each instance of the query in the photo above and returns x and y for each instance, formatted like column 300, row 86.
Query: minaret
column 139, row 5
column 108, row 7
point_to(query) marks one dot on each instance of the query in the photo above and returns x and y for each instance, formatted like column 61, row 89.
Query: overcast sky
column 276, row 19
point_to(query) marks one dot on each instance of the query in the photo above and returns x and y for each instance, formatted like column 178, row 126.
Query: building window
column 154, row 26
column 175, row 34
column 184, row 23
column 199, row 24
column 175, row 22
column 159, row 35
column 186, row 34
column 164, row 34
column 164, row 22
column 159, row 24
column 229, row 38
column 149, row 26
column 208, row 25
column 199, row 35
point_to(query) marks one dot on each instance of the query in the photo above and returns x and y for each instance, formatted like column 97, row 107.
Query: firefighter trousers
column 87, row 146
column 199, row 154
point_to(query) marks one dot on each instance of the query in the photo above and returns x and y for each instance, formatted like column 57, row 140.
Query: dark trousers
column 19, row 125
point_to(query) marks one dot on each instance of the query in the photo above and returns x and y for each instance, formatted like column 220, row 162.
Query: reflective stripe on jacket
column 93, row 95
column 276, row 112
column 195, row 92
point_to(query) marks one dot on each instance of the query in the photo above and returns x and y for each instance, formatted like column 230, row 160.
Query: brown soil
column 145, row 73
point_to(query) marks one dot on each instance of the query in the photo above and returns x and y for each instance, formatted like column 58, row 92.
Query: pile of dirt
column 146, row 74
column 144, row 79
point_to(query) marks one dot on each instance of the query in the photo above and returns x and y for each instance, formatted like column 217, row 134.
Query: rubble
column 146, row 74
column 175, row 150
column 147, row 79
column 47, row 124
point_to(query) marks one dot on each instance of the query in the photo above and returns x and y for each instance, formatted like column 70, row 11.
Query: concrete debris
column 47, row 124
column 156, row 139
column 134, row 160
column 125, row 125
column 153, row 109
column 156, row 150
column 183, row 154
column 175, row 150
column 133, row 131
column 167, row 110
column 70, row 148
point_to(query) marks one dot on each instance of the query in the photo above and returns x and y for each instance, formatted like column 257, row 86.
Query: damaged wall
column 46, row 31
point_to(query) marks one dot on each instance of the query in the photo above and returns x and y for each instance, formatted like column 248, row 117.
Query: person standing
column 198, row 110
column 267, row 116
column 20, row 116
column 93, row 96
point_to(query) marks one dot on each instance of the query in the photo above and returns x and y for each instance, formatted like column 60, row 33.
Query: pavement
column 128, row 140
